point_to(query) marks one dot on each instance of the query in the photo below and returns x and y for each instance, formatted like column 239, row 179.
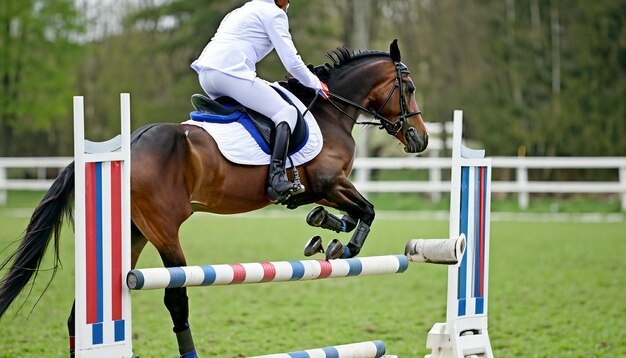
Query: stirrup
column 298, row 188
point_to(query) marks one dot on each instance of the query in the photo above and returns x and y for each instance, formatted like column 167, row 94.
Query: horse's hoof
column 334, row 250
column 315, row 216
column 313, row 246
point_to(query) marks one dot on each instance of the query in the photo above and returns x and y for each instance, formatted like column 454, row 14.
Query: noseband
column 392, row 127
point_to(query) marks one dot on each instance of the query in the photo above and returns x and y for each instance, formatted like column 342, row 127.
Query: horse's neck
column 357, row 82
column 354, row 85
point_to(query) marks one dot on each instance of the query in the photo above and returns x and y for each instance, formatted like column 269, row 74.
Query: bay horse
column 177, row 170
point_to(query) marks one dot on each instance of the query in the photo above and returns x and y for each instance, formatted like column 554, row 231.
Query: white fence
column 521, row 185
column 434, row 185
column 40, row 182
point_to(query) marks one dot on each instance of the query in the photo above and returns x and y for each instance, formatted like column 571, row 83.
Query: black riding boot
column 279, row 186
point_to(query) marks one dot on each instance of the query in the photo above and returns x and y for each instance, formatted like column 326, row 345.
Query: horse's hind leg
column 71, row 328
column 177, row 304
column 162, row 231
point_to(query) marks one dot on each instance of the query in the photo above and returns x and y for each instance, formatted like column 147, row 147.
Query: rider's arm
column 278, row 32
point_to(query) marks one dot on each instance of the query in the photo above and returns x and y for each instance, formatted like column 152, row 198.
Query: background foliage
column 534, row 77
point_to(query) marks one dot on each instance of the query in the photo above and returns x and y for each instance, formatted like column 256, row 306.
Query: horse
column 177, row 170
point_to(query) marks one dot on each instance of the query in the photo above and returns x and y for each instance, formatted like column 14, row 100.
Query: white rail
column 39, row 163
column 521, row 185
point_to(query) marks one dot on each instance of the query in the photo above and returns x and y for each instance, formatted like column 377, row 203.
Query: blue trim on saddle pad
column 243, row 119
column 246, row 122
column 215, row 118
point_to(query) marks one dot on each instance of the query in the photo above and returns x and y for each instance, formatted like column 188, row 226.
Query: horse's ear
column 394, row 51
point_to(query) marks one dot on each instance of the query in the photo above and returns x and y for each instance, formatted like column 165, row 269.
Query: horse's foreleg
column 360, row 234
column 319, row 217
column 345, row 197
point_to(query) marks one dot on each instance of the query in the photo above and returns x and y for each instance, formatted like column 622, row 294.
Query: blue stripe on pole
column 403, row 264
column 96, row 333
column 480, row 305
column 461, row 293
column 380, row 345
column 120, row 328
column 140, row 279
column 301, row 354
column 331, row 352
column 99, row 244
column 177, row 277
column 209, row 275
column 298, row 270
column 356, row 267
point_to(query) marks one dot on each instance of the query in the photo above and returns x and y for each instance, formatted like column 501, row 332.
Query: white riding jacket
column 246, row 35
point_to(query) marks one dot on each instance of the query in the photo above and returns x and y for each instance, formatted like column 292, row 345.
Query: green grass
column 556, row 290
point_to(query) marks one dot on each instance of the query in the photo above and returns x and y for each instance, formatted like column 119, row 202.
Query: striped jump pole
column 371, row 349
column 432, row 251
column 261, row 272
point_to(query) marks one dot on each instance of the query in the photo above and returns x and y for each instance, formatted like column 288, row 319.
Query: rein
column 356, row 121
column 392, row 127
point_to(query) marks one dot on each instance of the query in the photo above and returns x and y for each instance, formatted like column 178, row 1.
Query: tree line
column 536, row 78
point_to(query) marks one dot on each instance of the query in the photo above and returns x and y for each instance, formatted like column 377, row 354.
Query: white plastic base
column 466, row 346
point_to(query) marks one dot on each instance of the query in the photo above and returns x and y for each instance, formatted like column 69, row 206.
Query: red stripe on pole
column 481, row 238
column 269, row 271
column 116, row 240
column 325, row 268
column 90, row 243
column 239, row 273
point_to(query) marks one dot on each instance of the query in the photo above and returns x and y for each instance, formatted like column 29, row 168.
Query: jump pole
column 373, row 349
column 102, row 239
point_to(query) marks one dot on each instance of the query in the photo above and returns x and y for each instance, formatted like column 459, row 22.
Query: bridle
column 392, row 127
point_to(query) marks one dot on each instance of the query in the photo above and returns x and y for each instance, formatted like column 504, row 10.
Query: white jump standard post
column 102, row 229
column 465, row 331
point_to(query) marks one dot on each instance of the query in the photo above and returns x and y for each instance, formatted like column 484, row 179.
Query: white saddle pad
column 238, row 146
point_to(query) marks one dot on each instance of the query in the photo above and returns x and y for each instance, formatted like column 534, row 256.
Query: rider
column 227, row 67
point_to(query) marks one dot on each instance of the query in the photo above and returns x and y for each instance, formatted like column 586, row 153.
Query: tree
column 37, row 57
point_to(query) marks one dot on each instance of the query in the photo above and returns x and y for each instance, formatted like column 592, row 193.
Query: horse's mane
column 342, row 59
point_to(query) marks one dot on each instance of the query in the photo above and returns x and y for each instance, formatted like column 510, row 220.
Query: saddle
column 260, row 127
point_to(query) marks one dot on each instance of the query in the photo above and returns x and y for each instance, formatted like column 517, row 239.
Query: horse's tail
column 45, row 222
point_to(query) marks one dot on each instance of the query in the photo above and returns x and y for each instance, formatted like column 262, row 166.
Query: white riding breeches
column 255, row 94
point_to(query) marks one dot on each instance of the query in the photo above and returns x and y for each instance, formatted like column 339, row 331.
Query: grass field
column 556, row 290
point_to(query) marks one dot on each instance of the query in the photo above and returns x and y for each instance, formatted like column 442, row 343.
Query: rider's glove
column 323, row 91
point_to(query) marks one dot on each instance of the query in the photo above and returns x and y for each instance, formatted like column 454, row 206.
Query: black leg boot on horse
column 279, row 187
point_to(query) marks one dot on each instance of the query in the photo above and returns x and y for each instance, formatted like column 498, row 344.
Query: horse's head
column 377, row 83
column 393, row 100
